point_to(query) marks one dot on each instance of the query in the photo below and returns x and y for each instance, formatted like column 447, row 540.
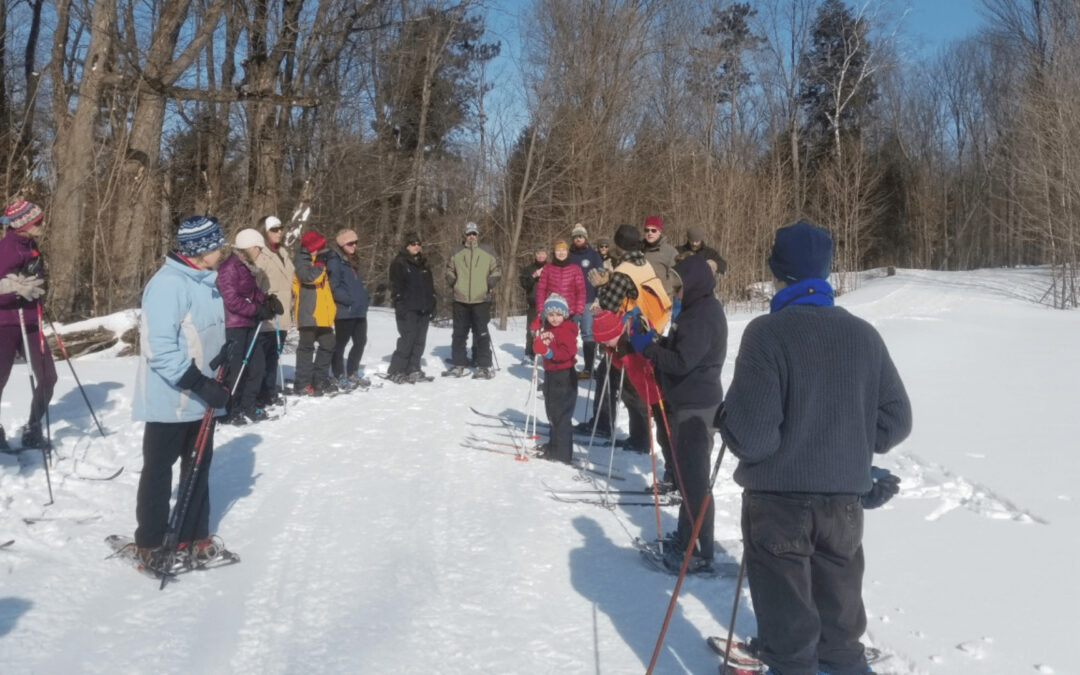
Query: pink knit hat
column 21, row 215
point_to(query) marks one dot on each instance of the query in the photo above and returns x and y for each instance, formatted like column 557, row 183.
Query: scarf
column 816, row 292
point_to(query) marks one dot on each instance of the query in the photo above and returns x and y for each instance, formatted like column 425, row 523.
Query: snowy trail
column 373, row 542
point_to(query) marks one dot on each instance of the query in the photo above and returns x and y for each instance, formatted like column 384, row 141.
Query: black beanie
column 628, row 238
column 801, row 251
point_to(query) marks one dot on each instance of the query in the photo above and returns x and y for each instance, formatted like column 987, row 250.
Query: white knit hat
column 248, row 238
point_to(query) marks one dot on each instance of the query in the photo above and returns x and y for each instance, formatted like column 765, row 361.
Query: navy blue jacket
column 412, row 283
column 587, row 259
column 350, row 294
column 689, row 360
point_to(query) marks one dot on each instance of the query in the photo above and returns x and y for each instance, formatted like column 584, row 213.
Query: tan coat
column 278, row 267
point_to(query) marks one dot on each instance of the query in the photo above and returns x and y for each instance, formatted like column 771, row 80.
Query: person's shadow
column 232, row 475
column 10, row 611
column 73, row 409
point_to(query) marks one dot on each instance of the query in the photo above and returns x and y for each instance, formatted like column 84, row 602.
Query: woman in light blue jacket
column 182, row 331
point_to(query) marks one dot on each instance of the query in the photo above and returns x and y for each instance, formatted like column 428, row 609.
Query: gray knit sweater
column 814, row 395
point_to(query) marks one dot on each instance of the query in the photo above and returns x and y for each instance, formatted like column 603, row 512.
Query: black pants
column 560, row 396
column 268, row 345
column 163, row 443
column 638, row 421
column 804, row 562
column 319, row 372
column 253, row 373
column 344, row 331
column 412, row 329
column 604, row 402
column 474, row 317
column 691, row 449
column 530, row 314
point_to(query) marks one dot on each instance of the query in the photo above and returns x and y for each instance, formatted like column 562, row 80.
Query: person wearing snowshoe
column 352, row 300
column 313, row 312
column 527, row 278
column 413, row 287
column 246, row 306
column 660, row 254
column 20, row 313
column 586, row 258
column 182, row 344
column 695, row 245
column 687, row 365
column 472, row 272
column 814, row 396
column 276, row 263
column 556, row 341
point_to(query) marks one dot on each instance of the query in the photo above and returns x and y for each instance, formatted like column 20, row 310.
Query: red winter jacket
column 562, row 341
column 639, row 373
column 564, row 278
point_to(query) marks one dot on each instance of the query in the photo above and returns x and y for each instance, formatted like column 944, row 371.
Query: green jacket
column 473, row 272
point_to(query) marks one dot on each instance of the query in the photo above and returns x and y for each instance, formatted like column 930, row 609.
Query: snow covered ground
column 374, row 542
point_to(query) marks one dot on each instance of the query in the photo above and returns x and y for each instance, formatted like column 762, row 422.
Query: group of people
column 814, row 396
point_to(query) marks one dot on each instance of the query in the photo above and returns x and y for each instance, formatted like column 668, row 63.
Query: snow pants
column 41, row 363
column 638, row 418
column 346, row 330
column 268, row 345
column 412, row 326
column 560, row 397
column 804, row 563
column 253, row 373
column 691, row 450
column 316, row 373
column 163, row 444
column 474, row 317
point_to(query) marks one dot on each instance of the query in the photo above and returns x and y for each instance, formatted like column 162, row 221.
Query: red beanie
column 655, row 221
column 606, row 325
column 312, row 241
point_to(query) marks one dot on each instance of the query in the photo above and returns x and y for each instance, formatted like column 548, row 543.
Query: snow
column 374, row 542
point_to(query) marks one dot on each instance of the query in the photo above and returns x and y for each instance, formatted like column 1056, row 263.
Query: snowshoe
column 356, row 381
column 33, row 438
column 417, row 376
column 483, row 373
column 455, row 371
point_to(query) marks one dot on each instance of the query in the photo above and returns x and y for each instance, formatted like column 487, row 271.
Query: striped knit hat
column 21, row 215
column 198, row 235
column 556, row 303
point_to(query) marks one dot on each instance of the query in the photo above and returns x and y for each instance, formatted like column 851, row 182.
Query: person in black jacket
column 695, row 244
column 688, row 364
column 530, row 274
column 414, row 304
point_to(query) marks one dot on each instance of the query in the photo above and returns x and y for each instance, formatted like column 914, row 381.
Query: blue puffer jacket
column 350, row 294
column 183, row 319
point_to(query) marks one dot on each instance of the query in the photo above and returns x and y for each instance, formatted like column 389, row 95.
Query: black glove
column 213, row 393
column 263, row 312
column 223, row 357
column 885, row 486
column 274, row 304
column 718, row 418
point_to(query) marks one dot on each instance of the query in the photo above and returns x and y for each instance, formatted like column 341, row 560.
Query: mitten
column 212, row 392
column 223, row 357
column 263, row 313
column 640, row 340
column 274, row 304
column 886, row 484
column 539, row 346
column 598, row 277
column 28, row 287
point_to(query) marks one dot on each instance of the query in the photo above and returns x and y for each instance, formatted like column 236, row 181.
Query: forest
column 123, row 117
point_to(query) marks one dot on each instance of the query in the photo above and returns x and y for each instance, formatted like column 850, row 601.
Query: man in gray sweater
column 814, row 396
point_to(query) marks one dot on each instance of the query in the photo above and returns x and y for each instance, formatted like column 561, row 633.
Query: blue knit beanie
column 801, row 251
column 198, row 235
column 556, row 303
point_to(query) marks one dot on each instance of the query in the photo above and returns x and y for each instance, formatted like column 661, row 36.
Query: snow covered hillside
column 375, row 541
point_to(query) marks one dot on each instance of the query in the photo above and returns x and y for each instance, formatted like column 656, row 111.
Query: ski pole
column 63, row 350
column 33, row 395
column 596, row 415
column 685, row 563
column 243, row 365
column 187, row 490
column 281, row 371
column 41, row 355
column 734, row 610
column 613, row 415
column 652, row 459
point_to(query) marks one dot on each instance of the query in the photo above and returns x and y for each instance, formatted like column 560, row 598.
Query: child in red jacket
column 557, row 343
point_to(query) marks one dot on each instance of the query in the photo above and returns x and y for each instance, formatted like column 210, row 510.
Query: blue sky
column 938, row 22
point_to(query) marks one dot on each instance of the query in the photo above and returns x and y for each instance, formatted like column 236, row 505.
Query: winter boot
column 483, row 373
column 399, row 378
column 32, row 437
column 454, row 371
column 673, row 559
column 200, row 552
column 308, row 390
column 355, row 380
column 254, row 415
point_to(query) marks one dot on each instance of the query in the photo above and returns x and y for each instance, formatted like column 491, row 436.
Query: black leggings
column 344, row 331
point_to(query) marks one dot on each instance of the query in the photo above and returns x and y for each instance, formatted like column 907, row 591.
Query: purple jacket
column 15, row 253
column 240, row 292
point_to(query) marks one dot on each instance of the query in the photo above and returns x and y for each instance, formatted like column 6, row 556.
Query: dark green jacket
column 473, row 272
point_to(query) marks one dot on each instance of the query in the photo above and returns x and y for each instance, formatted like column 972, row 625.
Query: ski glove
column 263, row 312
column 676, row 307
column 223, row 357
column 631, row 315
column 274, row 305
column 28, row 287
column 213, row 393
column 886, row 484
column 640, row 340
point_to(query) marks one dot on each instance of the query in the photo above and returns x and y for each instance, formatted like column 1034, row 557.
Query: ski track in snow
column 373, row 542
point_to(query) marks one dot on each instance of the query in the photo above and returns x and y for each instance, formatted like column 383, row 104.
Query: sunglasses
column 651, row 229
column 413, row 243
column 274, row 229
column 471, row 234
column 350, row 243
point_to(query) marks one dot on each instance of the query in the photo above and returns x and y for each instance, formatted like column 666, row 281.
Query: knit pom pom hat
column 21, row 215
column 312, row 241
column 606, row 326
column 198, row 235
column 556, row 303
